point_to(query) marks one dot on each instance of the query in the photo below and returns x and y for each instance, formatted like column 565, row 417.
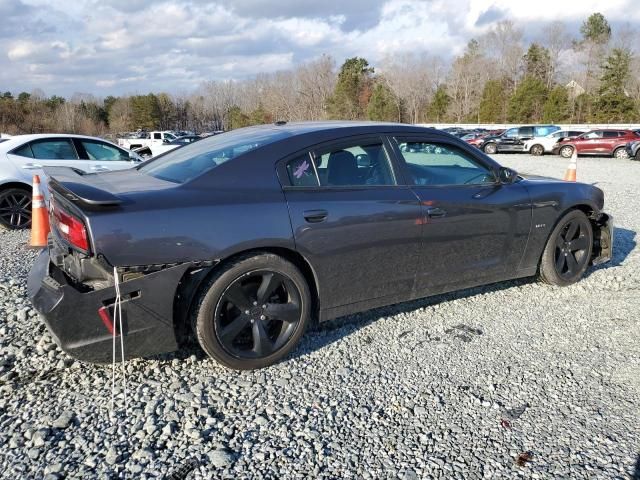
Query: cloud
column 127, row 46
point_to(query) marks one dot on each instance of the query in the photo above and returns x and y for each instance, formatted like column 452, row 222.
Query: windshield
column 194, row 159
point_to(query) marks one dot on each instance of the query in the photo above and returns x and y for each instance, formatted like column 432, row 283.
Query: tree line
column 497, row 79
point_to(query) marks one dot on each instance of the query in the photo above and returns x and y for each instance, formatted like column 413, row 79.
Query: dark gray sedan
column 244, row 238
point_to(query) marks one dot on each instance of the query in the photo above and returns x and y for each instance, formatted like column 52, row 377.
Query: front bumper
column 71, row 315
column 603, row 240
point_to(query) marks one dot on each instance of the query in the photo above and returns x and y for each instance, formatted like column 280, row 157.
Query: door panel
column 474, row 227
column 363, row 243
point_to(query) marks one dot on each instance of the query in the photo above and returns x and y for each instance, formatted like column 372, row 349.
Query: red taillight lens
column 71, row 228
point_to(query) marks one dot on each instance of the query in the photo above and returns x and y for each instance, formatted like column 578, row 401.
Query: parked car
column 633, row 149
column 542, row 145
column 23, row 156
column 249, row 235
column 512, row 139
column 474, row 138
column 606, row 142
column 146, row 139
column 185, row 140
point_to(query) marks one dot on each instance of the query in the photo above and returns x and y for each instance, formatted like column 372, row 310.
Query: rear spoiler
column 76, row 186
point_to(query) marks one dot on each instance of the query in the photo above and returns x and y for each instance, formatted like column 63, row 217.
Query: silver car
column 23, row 156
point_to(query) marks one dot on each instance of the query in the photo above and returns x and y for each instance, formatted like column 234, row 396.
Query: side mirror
column 166, row 140
column 507, row 176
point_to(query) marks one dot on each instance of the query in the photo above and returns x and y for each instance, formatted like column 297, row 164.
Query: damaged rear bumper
column 72, row 315
column 603, row 239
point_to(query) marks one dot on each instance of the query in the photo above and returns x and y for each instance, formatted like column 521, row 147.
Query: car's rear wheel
column 253, row 312
column 621, row 153
column 568, row 251
column 566, row 152
column 490, row 148
column 15, row 208
column 536, row 150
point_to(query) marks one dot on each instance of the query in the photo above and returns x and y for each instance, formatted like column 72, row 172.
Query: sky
column 116, row 47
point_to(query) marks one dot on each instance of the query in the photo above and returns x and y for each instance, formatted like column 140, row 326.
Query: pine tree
column 352, row 90
column 493, row 102
column 382, row 105
column 526, row 103
column 556, row 108
column 439, row 104
column 537, row 62
column 613, row 104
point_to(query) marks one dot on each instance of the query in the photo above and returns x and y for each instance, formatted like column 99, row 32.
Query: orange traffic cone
column 570, row 175
column 39, row 216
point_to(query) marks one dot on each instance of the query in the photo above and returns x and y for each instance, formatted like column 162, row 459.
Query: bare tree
column 503, row 45
column 556, row 39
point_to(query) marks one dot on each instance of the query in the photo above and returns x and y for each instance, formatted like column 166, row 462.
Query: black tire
column 490, row 148
column 621, row 153
column 232, row 302
column 566, row 151
column 568, row 251
column 15, row 208
column 536, row 150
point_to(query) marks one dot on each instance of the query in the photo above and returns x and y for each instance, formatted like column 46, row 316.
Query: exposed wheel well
column 20, row 185
column 193, row 279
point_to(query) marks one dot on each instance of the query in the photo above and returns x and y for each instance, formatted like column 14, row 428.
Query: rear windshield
column 192, row 160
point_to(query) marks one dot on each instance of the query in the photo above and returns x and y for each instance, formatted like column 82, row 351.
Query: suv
column 598, row 142
column 541, row 145
column 512, row 139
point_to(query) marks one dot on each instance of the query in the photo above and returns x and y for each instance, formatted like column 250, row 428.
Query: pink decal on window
column 302, row 168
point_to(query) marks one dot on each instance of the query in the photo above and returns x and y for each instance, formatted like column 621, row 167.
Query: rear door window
column 526, row 131
column 611, row 135
column 23, row 151
column 101, row 151
column 54, row 149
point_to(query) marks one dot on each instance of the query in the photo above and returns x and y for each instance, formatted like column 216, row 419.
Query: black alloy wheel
column 252, row 311
column 568, row 251
column 257, row 314
column 15, row 208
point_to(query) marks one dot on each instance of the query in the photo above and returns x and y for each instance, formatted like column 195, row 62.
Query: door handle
column 315, row 216
column 99, row 168
column 435, row 212
column 31, row 166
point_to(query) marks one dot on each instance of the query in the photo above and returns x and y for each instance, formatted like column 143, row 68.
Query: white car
column 23, row 156
column 542, row 145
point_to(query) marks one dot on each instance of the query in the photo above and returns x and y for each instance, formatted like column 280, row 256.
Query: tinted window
column 363, row 163
column 103, row 151
column 157, row 136
column 526, row 131
column 610, row 134
column 302, row 172
column 574, row 133
column 54, row 150
column 442, row 164
column 188, row 162
column 23, row 151
column 592, row 135
column 544, row 130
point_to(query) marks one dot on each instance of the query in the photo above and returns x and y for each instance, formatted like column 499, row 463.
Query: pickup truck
column 146, row 139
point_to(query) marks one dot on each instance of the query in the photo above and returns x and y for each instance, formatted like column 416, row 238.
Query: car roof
column 302, row 128
column 17, row 140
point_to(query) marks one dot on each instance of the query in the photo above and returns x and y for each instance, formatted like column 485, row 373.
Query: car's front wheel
column 490, row 148
column 566, row 152
column 15, row 208
column 536, row 150
column 253, row 312
column 568, row 251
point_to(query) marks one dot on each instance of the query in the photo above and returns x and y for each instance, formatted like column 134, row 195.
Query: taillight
column 71, row 228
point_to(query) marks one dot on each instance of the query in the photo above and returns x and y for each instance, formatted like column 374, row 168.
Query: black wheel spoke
column 561, row 261
column 270, row 282
column 237, row 325
column 262, row 345
column 580, row 243
column 572, row 264
column 287, row 312
column 238, row 297
column 571, row 231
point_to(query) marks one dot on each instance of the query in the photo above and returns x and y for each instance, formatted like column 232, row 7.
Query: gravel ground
column 513, row 380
